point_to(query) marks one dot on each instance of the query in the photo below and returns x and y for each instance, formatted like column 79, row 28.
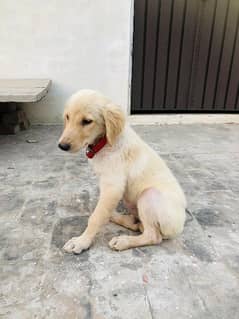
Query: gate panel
column 185, row 69
column 138, row 52
column 174, row 51
column 185, row 56
column 202, row 50
column 221, row 13
column 232, row 90
column 151, row 16
column 165, row 20
column 227, row 55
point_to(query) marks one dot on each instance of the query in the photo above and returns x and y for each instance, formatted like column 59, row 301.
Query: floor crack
column 148, row 302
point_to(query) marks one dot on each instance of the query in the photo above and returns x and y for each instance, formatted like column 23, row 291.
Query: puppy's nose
column 64, row 147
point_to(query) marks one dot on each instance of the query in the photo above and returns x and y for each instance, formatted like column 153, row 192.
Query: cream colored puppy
column 128, row 169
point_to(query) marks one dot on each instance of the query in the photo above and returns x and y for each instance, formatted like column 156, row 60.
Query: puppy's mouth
column 75, row 149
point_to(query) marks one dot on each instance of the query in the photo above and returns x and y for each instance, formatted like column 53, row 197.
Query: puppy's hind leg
column 148, row 205
column 128, row 221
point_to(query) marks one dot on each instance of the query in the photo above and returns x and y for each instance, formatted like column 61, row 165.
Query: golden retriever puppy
column 128, row 169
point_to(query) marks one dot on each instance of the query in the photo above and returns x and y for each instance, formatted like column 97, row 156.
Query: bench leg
column 12, row 119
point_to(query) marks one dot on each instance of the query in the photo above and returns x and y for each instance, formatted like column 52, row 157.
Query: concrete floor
column 46, row 197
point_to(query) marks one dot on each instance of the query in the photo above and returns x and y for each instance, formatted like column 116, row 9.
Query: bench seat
column 23, row 90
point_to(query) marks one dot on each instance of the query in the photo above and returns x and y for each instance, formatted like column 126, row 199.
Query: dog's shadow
column 66, row 228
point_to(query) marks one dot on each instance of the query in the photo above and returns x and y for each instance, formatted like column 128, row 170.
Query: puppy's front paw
column 76, row 245
column 119, row 243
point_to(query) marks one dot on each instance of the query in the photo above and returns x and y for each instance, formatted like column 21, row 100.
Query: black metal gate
column 185, row 56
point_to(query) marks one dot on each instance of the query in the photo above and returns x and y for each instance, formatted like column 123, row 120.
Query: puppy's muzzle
column 64, row 147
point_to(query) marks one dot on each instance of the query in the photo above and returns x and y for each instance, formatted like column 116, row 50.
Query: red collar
column 95, row 148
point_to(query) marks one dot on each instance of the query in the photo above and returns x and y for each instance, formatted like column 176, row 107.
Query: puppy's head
column 89, row 115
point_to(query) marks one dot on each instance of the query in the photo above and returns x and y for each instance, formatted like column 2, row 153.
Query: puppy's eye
column 67, row 117
column 86, row 122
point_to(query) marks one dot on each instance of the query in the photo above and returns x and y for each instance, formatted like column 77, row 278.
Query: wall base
column 184, row 119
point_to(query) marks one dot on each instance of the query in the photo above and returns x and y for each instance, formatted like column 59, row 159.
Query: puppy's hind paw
column 119, row 243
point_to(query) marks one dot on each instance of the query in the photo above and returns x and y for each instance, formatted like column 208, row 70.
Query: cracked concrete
column 46, row 197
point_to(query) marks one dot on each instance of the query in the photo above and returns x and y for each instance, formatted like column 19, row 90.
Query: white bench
column 12, row 93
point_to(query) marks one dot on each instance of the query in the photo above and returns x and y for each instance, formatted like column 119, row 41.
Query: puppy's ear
column 114, row 121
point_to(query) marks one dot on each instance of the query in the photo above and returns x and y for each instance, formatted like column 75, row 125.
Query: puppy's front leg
column 109, row 198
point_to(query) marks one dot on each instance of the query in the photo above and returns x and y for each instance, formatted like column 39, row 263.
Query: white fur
column 128, row 169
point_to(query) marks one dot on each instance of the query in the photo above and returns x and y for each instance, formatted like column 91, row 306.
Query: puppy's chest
column 99, row 169
column 104, row 165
